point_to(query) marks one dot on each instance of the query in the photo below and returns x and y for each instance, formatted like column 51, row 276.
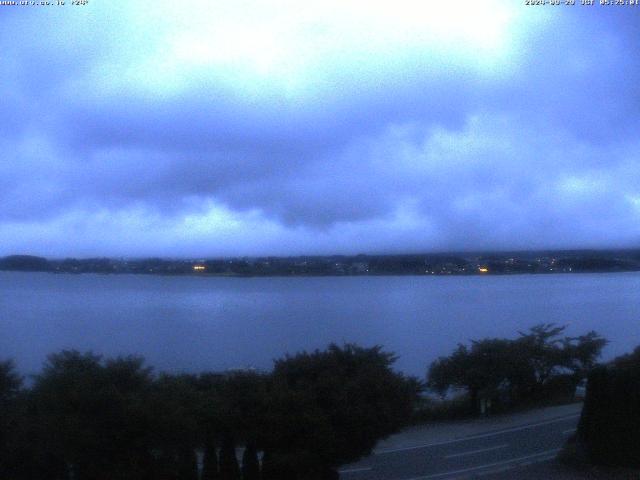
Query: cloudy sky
column 246, row 127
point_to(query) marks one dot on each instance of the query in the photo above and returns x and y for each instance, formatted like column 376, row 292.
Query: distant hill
column 27, row 263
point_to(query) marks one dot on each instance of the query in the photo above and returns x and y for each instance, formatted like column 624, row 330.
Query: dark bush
column 610, row 424
column 559, row 389
column 90, row 418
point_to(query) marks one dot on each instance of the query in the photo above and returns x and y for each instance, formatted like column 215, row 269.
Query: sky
column 233, row 128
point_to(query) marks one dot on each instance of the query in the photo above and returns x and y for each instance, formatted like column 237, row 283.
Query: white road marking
column 353, row 470
column 543, row 456
column 474, row 437
column 569, row 431
column 472, row 452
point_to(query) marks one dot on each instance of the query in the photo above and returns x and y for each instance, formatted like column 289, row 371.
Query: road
column 475, row 455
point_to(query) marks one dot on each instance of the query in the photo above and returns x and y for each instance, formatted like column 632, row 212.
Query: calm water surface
column 198, row 323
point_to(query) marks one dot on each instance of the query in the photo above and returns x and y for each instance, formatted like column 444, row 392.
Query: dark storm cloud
column 537, row 149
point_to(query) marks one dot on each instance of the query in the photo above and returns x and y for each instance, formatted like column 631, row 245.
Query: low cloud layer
column 241, row 130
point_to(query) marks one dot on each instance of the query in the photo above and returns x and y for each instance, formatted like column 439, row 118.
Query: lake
column 212, row 323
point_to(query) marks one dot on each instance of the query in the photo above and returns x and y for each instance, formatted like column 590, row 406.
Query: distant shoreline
column 451, row 264
column 376, row 275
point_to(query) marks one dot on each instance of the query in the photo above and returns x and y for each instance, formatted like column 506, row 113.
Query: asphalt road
column 468, row 457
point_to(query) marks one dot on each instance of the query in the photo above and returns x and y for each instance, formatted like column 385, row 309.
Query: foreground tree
column 524, row 369
column 210, row 463
column 609, row 429
column 187, row 464
column 10, row 385
column 250, row 463
column 91, row 416
column 330, row 407
column 231, row 414
column 483, row 370
column 173, row 405
column 229, row 468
